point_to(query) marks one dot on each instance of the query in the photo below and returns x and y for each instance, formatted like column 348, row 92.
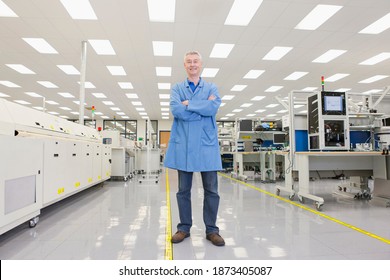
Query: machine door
column 335, row 134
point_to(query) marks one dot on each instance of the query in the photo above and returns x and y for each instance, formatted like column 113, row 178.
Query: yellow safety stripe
column 310, row 210
column 168, row 229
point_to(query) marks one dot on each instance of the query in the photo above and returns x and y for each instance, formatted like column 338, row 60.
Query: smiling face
column 193, row 65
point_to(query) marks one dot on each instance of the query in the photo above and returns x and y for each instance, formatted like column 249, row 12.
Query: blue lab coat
column 193, row 144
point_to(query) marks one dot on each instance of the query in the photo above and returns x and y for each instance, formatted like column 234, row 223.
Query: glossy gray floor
column 127, row 220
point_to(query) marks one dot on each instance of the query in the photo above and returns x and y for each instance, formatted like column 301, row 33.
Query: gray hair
column 193, row 53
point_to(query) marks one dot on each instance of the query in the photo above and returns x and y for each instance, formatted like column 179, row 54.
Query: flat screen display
column 333, row 103
column 279, row 138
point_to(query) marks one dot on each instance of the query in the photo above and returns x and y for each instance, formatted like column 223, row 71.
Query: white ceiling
column 199, row 24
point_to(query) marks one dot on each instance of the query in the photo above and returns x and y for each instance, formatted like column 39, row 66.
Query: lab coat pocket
column 209, row 137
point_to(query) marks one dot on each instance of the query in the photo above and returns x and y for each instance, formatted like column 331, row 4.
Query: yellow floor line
column 168, row 229
column 309, row 209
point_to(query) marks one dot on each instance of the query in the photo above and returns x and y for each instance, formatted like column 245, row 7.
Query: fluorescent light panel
column 277, row 53
column 319, row 15
column 47, row 84
column 272, row 105
column 116, row 70
column 69, row 69
column 102, row 47
column 253, row 74
column 161, row 10
column 329, row 56
column 164, row 71
column 246, row 105
column 257, row 98
column 9, row 84
column 131, row 95
column 125, row 85
column 51, row 102
column 20, row 68
column 99, row 95
column 22, row 102
column 66, row 94
column 164, row 103
column 40, row 45
column 227, row 97
column 295, row 76
column 336, row 77
column 162, row 48
column 221, row 50
column 376, row 59
column 273, row 88
column 373, row 79
column 33, row 94
column 309, row 89
column 6, row 11
column 136, row 103
column 242, row 12
column 3, row 95
column 209, row 72
column 237, row 110
column 79, row 9
column 164, row 96
column 238, row 88
column 164, row 85
column 378, row 26
column 108, row 103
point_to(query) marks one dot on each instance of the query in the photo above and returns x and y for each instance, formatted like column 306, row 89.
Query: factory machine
column 44, row 159
column 328, row 125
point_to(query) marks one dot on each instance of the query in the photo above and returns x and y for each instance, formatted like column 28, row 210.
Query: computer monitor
column 279, row 138
column 333, row 103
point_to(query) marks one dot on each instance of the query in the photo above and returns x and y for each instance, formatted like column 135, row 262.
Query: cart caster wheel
column 340, row 188
column 156, row 182
column 301, row 199
column 125, row 179
column 140, row 182
column 291, row 196
column 277, row 192
column 318, row 206
column 33, row 222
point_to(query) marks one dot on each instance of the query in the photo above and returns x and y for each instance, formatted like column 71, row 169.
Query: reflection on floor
column 127, row 220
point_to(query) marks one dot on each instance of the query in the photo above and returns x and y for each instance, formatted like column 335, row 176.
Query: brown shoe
column 179, row 236
column 216, row 239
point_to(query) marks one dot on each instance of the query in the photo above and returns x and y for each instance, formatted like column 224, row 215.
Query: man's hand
column 185, row 102
column 211, row 97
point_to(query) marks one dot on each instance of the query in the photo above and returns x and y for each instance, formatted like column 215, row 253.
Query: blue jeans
column 210, row 200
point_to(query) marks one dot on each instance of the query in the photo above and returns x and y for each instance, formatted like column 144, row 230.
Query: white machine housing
column 44, row 159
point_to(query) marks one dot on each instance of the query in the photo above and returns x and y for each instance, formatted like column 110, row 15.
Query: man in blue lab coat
column 193, row 147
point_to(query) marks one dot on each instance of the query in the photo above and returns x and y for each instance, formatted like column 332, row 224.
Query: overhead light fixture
column 373, row 91
column 47, row 84
column 242, row 12
column 116, row 70
column 164, row 71
column 88, row 85
column 277, row 53
column 164, row 103
column 253, row 74
column 329, row 56
column 273, row 88
column 230, row 115
column 373, row 79
column 65, row 108
column 271, row 115
column 260, row 111
column 309, row 89
column 251, row 115
column 378, row 26
column 108, row 103
column 238, row 88
column 102, row 47
column 164, row 114
column 221, row 50
column 164, row 85
column 237, row 110
column 140, row 109
column 209, row 72
column 132, row 95
column 9, row 84
column 99, row 95
column 120, row 113
column 51, row 102
column 66, row 94
column 336, row 77
column 376, row 59
column 143, row 113
column 295, row 76
column 282, row 111
column 342, row 90
column 22, row 102
column 40, row 45
column 79, row 9
column 33, row 94
column 165, row 118
column 20, row 68
column 136, row 103
column 319, row 15
column 6, row 11
column 246, row 105
column 115, row 108
column 227, row 97
column 125, row 85
column 258, row 98
column 222, row 104
column 224, row 118
column 161, row 10
column 164, row 109
column 69, row 69
column 162, row 48
column 3, row 95
column 164, row 96
column 272, row 105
